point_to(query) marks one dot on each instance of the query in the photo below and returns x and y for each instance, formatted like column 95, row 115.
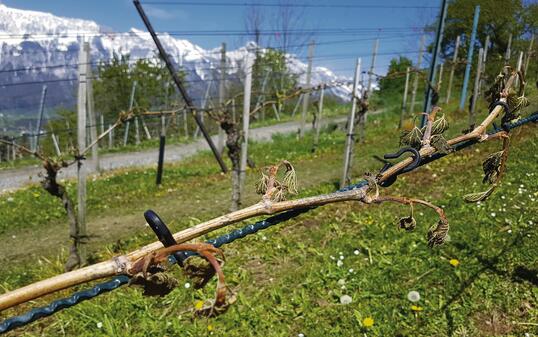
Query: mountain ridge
column 42, row 48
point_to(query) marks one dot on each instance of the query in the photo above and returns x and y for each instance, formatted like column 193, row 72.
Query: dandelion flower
column 454, row 262
column 368, row 322
column 198, row 305
column 345, row 299
column 413, row 296
column 416, row 308
column 210, row 327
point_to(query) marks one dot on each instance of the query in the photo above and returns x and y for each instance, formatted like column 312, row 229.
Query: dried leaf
column 279, row 194
column 437, row 234
column 492, row 167
column 213, row 310
column 439, row 126
column 290, row 180
column 157, row 284
column 408, row 223
column 479, row 196
column 199, row 270
column 261, row 185
column 520, row 103
column 440, row 144
column 412, row 138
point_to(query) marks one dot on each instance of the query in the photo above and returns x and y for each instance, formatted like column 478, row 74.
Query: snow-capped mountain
column 37, row 46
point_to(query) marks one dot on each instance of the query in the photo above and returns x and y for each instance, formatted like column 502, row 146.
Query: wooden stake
column 40, row 118
column 56, row 145
column 372, row 67
column 529, row 55
column 519, row 66
column 404, row 100
column 486, row 48
column 472, row 117
column 440, row 80
column 204, row 104
column 131, row 104
column 350, row 138
column 317, row 124
column 417, row 75
column 91, row 112
column 246, row 124
column 297, row 105
column 222, row 95
column 110, row 137
column 307, row 86
column 81, row 167
column 508, row 52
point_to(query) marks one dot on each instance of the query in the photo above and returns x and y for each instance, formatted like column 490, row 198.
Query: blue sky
column 395, row 26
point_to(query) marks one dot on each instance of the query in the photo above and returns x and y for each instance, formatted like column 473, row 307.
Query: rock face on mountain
column 37, row 47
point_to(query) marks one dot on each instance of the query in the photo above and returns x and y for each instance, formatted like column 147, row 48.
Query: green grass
column 287, row 277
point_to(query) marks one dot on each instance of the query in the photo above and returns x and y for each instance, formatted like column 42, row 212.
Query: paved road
column 15, row 178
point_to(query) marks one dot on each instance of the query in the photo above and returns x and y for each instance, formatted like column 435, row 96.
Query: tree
column 394, row 81
column 284, row 33
column 274, row 71
column 498, row 19
column 112, row 88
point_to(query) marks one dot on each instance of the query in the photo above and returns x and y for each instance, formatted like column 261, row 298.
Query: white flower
column 356, row 252
column 413, row 296
column 10, row 199
column 341, row 257
column 187, row 285
column 99, row 325
column 350, row 270
column 332, row 257
column 339, row 263
column 509, row 231
column 300, row 335
column 345, row 299
column 493, row 214
column 341, row 282
column 264, row 238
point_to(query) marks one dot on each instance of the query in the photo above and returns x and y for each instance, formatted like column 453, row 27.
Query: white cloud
column 159, row 13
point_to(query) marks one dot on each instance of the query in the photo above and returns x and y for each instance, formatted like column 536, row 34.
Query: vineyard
column 382, row 212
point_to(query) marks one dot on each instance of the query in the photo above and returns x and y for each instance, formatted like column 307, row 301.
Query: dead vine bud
column 437, row 234
column 494, row 167
column 148, row 271
column 277, row 190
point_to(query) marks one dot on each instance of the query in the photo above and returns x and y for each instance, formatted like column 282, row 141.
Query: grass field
column 290, row 279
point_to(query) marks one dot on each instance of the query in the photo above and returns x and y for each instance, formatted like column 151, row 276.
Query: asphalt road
column 12, row 179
